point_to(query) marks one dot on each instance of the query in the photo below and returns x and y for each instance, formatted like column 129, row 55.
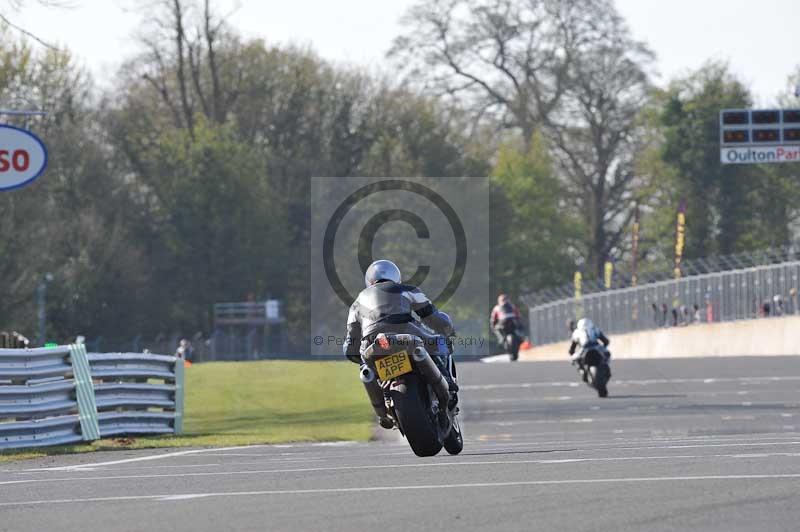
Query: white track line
column 425, row 465
column 187, row 466
column 610, row 421
column 473, row 446
column 611, row 443
column 683, row 394
column 644, row 382
column 161, row 456
column 187, row 496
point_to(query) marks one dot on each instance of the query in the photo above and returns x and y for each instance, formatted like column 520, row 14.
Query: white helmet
column 585, row 332
column 382, row 270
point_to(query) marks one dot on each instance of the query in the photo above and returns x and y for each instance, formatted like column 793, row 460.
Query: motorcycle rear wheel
column 412, row 416
column 512, row 344
column 599, row 379
column 454, row 442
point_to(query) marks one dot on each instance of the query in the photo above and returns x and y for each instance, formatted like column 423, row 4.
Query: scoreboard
column 749, row 136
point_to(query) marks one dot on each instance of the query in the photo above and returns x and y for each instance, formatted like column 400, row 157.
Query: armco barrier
column 54, row 396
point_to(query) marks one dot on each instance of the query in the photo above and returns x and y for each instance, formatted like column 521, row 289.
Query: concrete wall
column 768, row 336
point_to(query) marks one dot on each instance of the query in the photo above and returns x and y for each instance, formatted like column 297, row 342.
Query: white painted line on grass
column 475, row 485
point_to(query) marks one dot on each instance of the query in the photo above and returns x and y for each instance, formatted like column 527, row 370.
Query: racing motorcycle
column 592, row 362
column 413, row 392
column 511, row 343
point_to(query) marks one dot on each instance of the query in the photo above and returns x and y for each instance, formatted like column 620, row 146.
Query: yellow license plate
column 393, row 366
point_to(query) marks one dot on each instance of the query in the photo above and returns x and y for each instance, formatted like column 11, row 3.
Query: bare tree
column 597, row 137
column 12, row 6
column 184, row 41
column 568, row 68
column 509, row 58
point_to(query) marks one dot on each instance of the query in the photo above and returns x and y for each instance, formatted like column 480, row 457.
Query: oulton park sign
column 756, row 136
column 760, row 154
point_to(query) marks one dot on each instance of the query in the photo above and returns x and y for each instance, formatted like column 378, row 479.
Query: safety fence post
column 84, row 390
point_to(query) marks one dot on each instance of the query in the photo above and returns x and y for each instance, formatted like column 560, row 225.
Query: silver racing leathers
column 395, row 308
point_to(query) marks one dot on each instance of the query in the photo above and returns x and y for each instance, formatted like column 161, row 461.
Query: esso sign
column 23, row 157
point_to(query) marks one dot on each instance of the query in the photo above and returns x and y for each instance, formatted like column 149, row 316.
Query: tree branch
column 26, row 33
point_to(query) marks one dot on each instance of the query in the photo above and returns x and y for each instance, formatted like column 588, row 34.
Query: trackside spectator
column 185, row 350
column 777, row 308
column 13, row 340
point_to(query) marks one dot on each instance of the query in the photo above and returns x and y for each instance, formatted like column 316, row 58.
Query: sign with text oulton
column 760, row 154
column 753, row 136
column 23, row 157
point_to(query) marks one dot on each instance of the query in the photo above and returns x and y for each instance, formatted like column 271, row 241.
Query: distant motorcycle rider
column 586, row 334
column 387, row 305
column 505, row 318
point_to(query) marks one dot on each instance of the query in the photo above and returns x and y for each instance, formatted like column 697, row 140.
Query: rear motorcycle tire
column 454, row 443
column 412, row 416
column 513, row 343
column 603, row 376
column 597, row 380
column 591, row 376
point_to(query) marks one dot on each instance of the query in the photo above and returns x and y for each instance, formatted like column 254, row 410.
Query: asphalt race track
column 690, row 444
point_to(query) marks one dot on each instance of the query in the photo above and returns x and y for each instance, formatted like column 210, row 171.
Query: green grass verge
column 245, row 403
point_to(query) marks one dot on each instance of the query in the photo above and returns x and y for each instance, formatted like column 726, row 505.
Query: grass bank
column 244, row 403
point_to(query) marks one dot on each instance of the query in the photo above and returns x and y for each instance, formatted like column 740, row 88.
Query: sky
column 759, row 38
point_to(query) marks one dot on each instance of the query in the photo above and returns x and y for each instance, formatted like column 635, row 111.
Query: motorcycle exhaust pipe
column 374, row 391
column 430, row 372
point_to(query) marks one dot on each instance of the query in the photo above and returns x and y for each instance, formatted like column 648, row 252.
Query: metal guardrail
column 724, row 296
column 125, row 394
column 647, row 275
column 54, row 396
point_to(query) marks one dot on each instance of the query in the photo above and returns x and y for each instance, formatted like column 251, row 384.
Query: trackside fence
column 762, row 291
column 60, row 395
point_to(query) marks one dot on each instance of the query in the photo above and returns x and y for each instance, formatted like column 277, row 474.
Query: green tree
column 730, row 208
column 532, row 233
column 215, row 227
column 296, row 114
column 71, row 222
column 569, row 70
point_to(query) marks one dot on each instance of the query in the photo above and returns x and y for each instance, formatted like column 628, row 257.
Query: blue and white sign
column 23, row 157
column 754, row 136
column 760, row 154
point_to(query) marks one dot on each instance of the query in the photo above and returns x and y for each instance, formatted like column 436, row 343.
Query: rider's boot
column 376, row 397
